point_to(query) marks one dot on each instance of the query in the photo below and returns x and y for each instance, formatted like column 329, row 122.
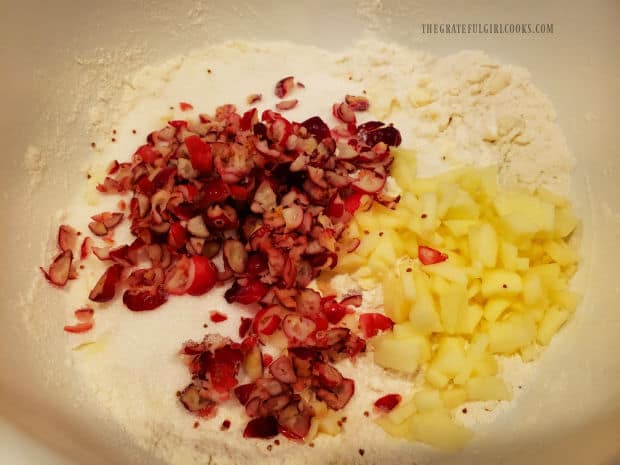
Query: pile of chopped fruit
column 272, row 198
column 469, row 271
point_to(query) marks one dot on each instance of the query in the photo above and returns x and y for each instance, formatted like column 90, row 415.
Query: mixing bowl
column 59, row 57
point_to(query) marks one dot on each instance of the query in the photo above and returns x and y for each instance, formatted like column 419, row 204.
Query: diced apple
column 439, row 285
column 392, row 235
column 401, row 354
column 483, row 245
column 470, row 181
column 447, row 270
column 475, row 352
column 508, row 254
column 569, row 271
column 511, row 334
column 533, row 291
column 315, row 423
column 464, row 208
column 407, row 282
column 368, row 243
column 565, row 222
column 437, row 428
column 486, row 366
column 561, row 252
column 402, row 411
column 551, row 197
column 352, row 231
column 509, row 257
column 395, row 306
column 428, row 217
column 319, row 407
column 384, row 253
column 330, row 423
column 377, row 271
column 551, row 323
column 535, row 252
column 475, row 270
column 495, row 307
column 530, row 353
column 427, row 399
column 410, row 202
column 454, row 397
column 457, row 259
column 424, row 314
column 405, row 158
column 350, row 262
column 537, row 312
column 459, row 228
column 501, row 283
column 503, row 290
column 405, row 330
column 454, row 176
column 469, row 319
column 390, row 219
column 550, row 275
column 447, row 197
column 436, row 378
column 421, row 185
column 397, row 430
column 566, row 299
column 452, row 303
column 253, row 363
column 450, row 356
column 527, row 207
column 473, row 288
column 516, row 226
column 487, row 388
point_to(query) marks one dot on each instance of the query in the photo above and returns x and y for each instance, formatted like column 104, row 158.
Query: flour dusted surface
column 465, row 108
column 462, row 109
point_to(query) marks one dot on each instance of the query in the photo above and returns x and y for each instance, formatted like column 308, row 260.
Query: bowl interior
column 62, row 55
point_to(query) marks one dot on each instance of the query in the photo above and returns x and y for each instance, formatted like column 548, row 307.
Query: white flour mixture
column 462, row 109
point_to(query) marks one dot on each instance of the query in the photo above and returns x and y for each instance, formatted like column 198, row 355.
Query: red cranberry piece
column 388, row 402
column 372, row 323
column 262, row 427
column 317, row 127
column 139, row 300
column 251, row 293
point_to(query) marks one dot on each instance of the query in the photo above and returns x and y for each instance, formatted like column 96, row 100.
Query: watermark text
column 487, row 28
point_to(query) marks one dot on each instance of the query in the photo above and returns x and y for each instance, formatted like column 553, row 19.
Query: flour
column 373, row 14
column 35, row 165
column 465, row 109
column 462, row 109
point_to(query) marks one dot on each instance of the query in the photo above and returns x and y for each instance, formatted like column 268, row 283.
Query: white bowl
column 52, row 51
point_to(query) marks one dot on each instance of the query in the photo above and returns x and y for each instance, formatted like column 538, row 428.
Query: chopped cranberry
column 372, row 323
column 217, row 317
column 262, row 427
column 251, row 293
column 430, row 256
column 245, row 326
column 274, row 197
column 317, row 127
column 284, row 86
column 243, row 391
column 200, row 154
column 333, row 311
column 388, row 402
column 139, row 300
column 105, row 288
